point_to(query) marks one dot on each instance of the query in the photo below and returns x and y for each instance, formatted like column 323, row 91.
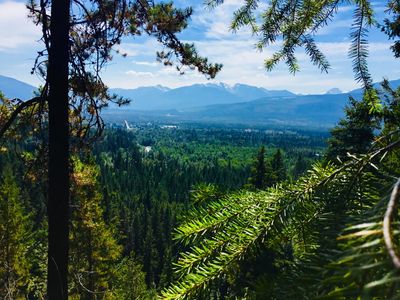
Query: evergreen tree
column 300, row 167
column 166, row 272
column 15, row 240
column 258, row 178
column 97, row 268
column 130, row 280
column 354, row 133
column 278, row 167
column 150, row 254
column 94, row 250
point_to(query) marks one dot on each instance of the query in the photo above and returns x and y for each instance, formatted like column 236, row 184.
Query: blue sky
column 208, row 29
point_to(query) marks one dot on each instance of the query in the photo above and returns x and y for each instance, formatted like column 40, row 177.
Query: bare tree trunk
column 58, row 189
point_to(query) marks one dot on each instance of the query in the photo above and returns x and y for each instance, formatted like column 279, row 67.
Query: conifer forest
column 102, row 201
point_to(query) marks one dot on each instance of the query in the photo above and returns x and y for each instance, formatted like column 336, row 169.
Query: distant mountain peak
column 238, row 85
column 162, row 88
column 334, row 91
column 219, row 85
column 225, row 86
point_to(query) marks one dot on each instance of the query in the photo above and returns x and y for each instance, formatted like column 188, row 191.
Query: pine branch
column 316, row 56
column 358, row 51
column 282, row 212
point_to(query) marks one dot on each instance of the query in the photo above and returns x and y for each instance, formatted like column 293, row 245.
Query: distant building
column 147, row 149
column 168, row 127
column 251, row 130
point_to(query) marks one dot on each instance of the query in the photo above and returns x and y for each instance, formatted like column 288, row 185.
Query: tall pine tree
column 15, row 240
column 258, row 178
column 278, row 167
column 94, row 251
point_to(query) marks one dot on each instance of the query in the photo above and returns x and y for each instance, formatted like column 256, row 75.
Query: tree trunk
column 58, row 189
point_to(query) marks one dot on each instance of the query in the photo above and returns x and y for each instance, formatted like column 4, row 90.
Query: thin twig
column 79, row 277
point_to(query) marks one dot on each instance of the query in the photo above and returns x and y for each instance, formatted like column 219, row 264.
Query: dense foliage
column 128, row 195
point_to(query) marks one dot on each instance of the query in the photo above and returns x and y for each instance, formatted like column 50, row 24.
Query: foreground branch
column 16, row 112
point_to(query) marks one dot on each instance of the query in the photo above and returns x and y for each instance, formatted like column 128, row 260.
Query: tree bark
column 58, row 168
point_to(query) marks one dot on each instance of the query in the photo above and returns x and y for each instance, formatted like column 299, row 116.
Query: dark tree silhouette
column 258, row 171
column 278, row 167
column 58, row 172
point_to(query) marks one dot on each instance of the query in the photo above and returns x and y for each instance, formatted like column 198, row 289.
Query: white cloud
column 336, row 27
column 16, row 30
column 139, row 47
column 146, row 63
column 140, row 74
column 345, row 8
column 216, row 22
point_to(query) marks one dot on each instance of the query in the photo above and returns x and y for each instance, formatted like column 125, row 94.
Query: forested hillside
column 134, row 187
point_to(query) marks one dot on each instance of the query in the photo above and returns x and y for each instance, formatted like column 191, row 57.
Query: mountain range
column 218, row 103
column 197, row 95
column 238, row 104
